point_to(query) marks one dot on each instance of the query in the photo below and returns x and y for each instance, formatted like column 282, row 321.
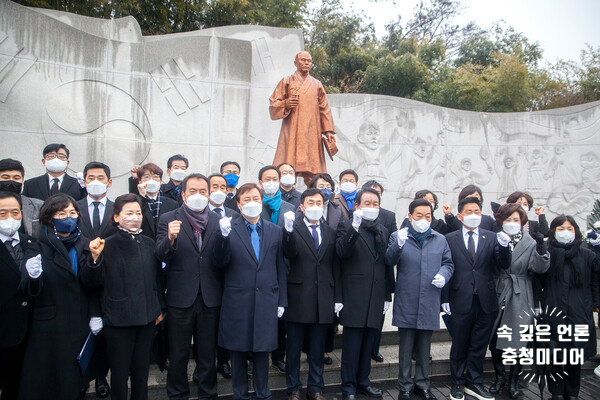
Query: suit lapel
column 85, row 216
column 209, row 230
column 325, row 239
column 44, row 185
column 265, row 239
column 108, row 210
column 460, row 243
column 187, row 227
column 10, row 262
column 366, row 237
column 239, row 226
column 481, row 244
column 520, row 248
column 305, row 234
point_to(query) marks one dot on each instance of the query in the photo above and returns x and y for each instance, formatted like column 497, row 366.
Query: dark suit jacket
column 149, row 226
column 14, row 303
column 228, row 212
column 342, row 206
column 479, row 275
column 334, row 215
column 292, row 197
column 189, row 269
column 231, row 203
column 313, row 282
column 285, row 207
column 106, row 229
column 129, row 277
column 253, row 289
column 366, row 280
column 168, row 190
column 387, row 218
column 39, row 187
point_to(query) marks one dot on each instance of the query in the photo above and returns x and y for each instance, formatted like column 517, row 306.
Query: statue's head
column 368, row 134
column 303, row 61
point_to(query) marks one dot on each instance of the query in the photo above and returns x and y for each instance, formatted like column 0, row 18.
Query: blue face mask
column 232, row 179
column 66, row 225
column 327, row 193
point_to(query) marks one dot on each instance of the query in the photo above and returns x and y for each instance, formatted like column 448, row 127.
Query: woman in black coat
column 570, row 294
column 124, row 267
column 64, row 310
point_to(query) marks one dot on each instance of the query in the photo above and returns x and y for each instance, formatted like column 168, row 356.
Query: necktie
column 255, row 239
column 15, row 251
column 471, row 246
column 219, row 211
column 198, row 236
column 230, row 195
column 315, row 236
column 96, row 217
column 54, row 187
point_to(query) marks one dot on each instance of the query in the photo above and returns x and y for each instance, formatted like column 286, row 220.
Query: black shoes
column 478, row 391
column 224, row 369
column 371, row 391
column 377, row 357
column 280, row 366
column 499, row 384
column 404, row 395
column 102, row 388
column 457, row 392
column 348, row 396
column 425, row 394
column 513, row 387
column 327, row 360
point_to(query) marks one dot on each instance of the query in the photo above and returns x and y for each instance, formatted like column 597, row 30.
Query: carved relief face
column 466, row 164
column 509, row 162
column 369, row 135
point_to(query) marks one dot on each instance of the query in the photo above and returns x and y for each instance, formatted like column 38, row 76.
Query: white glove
column 446, row 308
column 537, row 312
column 225, row 224
column 280, row 311
column 80, row 179
column 96, row 325
column 595, row 242
column 503, row 239
column 34, row 266
column 288, row 219
column 337, row 307
column 438, row 281
column 357, row 218
column 386, row 306
column 402, row 236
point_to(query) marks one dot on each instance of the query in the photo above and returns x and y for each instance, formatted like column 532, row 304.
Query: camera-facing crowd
column 244, row 271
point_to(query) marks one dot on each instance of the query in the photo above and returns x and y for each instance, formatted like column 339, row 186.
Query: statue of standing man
column 302, row 103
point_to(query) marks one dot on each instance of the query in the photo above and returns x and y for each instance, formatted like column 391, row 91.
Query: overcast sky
column 562, row 27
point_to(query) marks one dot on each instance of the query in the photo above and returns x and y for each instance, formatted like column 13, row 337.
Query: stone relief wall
column 113, row 95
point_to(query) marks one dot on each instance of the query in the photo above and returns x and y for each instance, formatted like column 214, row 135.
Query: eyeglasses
column 52, row 156
column 155, row 177
column 64, row 214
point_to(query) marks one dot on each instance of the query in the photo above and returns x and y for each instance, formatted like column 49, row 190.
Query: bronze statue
column 302, row 103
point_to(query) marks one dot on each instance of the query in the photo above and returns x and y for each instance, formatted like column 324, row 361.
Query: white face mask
column 526, row 208
column 348, row 187
column 196, row 202
column 96, row 188
column 288, row 180
column 370, row 214
column 153, row 186
column 218, row 197
column 421, row 225
column 564, row 237
column 178, row 175
column 9, row 226
column 270, row 188
column 472, row 221
column 56, row 165
column 252, row 209
column 511, row 228
column 313, row 213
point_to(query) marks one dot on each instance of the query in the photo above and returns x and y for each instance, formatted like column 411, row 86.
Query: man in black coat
column 14, row 304
column 177, row 166
column 314, row 291
column 185, row 242
column 470, row 297
column 231, row 172
column 287, row 184
column 56, row 161
column 367, row 286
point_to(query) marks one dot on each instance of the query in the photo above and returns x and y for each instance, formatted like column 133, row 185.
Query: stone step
column 385, row 371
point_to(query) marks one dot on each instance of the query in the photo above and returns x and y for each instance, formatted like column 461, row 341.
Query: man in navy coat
column 250, row 251
column 470, row 297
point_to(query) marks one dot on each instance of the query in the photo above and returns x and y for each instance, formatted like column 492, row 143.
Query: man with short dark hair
column 231, row 172
column 470, row 297
column 218, row 196
column 154, row 202
column 424, row 265
column 14, row 303
column 348, row 190
column 185, row 242
column 55, row 180
column 12, row 174
column 287, row 184
column 177, row 166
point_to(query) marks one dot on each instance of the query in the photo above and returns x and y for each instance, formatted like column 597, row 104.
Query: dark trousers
column 296, row 332
column 420, row 341
column 378, row 339
column 279, row 353
column 356, row 358
column 11, row 363
column 129, row 355
column 201, row 323
column 471, row 332
column 222, row 355
column 260, row 376
column 568, row 380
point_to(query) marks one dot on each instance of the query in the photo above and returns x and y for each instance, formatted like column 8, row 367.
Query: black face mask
column 11, row 186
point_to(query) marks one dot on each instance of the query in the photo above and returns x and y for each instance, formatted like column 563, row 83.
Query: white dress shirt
column 212, row 208
column 101, row 208
column 15, row 238
column 308, row 224
column 51, row 180
column 465, row 232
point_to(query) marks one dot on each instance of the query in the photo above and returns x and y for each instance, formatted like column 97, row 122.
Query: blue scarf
column 273, row 204
column 419, row 237
column 349, row 197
